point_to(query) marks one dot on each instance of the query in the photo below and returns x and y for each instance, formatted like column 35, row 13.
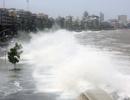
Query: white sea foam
column 62, row 65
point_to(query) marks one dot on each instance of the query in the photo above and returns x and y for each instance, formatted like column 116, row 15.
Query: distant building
column 128, row 25
column 42, row 15
column 68, row 22
column 60, row 21
column 85, row 14
column 23, row 20
column 123, row 19
column 106, row 25
column 129, row 21
column 114, row 23
column 5, row 17
column 93, row 22
column 7, row 24
column 101, row 17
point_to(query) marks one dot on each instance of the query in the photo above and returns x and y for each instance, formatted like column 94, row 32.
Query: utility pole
column 3, row 3
column 27, row 4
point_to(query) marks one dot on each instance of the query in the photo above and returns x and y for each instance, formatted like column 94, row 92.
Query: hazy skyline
column 54, row 8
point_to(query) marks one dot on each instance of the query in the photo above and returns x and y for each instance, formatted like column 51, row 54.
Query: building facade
column 123, row 19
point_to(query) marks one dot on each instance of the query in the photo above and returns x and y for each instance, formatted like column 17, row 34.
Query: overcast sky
column 111, row 8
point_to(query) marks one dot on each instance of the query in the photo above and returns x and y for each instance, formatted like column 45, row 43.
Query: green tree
column 14, row 54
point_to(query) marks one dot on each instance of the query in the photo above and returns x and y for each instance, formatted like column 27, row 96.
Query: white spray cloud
column 61, row 64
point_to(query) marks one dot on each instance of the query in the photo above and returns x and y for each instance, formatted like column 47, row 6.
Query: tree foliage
column 14, row 54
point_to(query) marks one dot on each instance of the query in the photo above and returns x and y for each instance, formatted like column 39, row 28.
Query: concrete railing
column 94, row 94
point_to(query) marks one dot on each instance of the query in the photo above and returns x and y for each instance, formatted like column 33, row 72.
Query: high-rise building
column 123, row 19
column 85, row 14
column 101, row 17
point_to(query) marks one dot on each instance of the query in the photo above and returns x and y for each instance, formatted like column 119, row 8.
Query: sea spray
column 63, row 65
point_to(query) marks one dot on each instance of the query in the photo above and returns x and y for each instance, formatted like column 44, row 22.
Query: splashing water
column 63, row 65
